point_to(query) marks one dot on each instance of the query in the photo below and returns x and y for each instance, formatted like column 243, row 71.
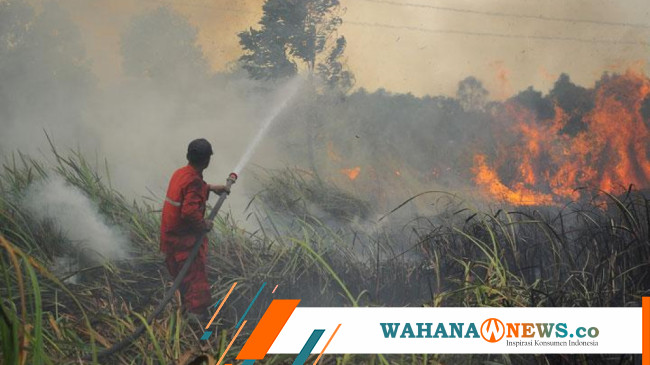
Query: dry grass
column 581, row 255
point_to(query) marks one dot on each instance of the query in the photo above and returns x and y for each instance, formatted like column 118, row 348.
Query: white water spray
column 287, row 94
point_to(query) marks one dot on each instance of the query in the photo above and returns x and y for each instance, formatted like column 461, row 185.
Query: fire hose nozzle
column 232, row 178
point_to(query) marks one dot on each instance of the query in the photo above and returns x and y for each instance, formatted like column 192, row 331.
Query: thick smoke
column 55, row 201
column 141, row 122
column 166, row 95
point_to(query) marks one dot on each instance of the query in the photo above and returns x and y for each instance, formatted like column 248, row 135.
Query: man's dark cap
column 199, row 150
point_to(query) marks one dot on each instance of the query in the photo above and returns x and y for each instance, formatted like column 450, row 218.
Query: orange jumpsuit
column 182, row 221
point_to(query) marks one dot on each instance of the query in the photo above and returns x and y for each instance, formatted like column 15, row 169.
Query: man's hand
column 208, row 225
column 219, row 189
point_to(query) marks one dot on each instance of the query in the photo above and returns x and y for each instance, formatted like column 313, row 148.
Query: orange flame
column 489, row 179
column 352, row 173
column 546, row 164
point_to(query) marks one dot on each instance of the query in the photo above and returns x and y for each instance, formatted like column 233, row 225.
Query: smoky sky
column 418, row 46
column 77, row 77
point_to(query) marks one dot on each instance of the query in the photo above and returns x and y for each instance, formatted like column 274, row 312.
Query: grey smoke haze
column 78, row 218
column 408, row 60
column 141, row 123
column 167, row 95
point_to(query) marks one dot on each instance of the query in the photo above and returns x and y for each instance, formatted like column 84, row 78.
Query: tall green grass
column 593, row 253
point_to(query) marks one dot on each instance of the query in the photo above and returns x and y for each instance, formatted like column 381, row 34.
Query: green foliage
column 296, row 35
column 583, row 255
column 265, row 58
column 300, row 195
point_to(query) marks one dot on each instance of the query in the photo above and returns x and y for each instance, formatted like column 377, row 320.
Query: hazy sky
column 419, row 46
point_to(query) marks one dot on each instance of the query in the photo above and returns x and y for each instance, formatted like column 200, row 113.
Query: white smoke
column 77, row 217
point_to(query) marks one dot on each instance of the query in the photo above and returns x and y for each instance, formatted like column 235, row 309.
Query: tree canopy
column 296, row 35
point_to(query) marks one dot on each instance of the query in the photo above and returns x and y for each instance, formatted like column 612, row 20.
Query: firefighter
column 183, row 221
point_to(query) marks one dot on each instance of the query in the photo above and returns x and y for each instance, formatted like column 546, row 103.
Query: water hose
column 232, row 178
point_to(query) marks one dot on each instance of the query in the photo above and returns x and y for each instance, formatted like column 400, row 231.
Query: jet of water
column 287, row 93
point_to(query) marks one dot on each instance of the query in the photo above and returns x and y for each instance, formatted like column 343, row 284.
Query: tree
column 295, row 35
column 471, row 94
column 533, row 100
column 300, row 36
column 576, row 101
column 570, row 96
column 162, row 46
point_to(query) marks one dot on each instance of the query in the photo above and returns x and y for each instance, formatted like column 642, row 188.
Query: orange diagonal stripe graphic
column 327, row 344
column 230, row 344
column 268, row 329
column 221, row 305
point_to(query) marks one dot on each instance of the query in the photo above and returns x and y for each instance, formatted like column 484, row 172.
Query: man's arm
column 219, row 189
column 192, row 212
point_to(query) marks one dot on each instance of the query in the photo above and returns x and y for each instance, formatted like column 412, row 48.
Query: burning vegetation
column 543, row 157
column 530, row 150
column 365, row 198
column 581, row 255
